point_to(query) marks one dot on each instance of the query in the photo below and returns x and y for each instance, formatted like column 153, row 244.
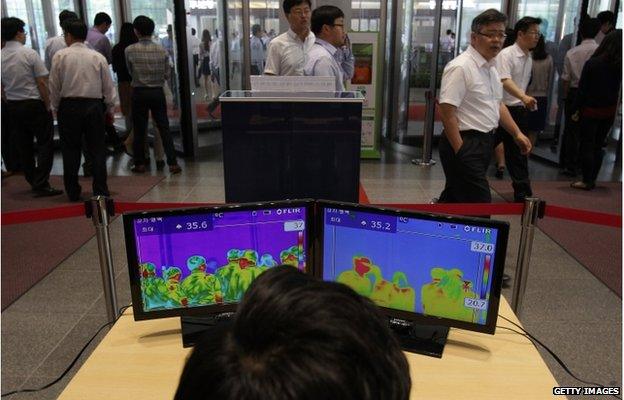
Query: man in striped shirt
column 148, row 64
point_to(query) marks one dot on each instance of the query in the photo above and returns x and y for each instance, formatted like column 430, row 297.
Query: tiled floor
column 565, row 306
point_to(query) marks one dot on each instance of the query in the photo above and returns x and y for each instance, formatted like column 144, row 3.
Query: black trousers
column 30, row 120
column 10, row 152
column 517, row 163
column 78, row 120
column 593, row 135
column 570, row 143
column 145, row 100
column 465, row 171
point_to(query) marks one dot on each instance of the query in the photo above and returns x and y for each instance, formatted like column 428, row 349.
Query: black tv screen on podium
column 427, row 272
column 200, row 261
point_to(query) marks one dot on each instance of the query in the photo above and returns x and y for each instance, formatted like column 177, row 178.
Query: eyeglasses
column 340, row 25
column 493, row 35
column 534, row 33
column 300, row 12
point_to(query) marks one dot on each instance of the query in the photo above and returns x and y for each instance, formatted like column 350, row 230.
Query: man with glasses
column 471, row 108
column 514, row 65
column 287, row 53
column 25, row 89
column 328, row 27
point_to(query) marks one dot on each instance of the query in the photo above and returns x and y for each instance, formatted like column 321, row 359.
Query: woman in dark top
column 596, row 104
column 204, row 53
column 126, row 38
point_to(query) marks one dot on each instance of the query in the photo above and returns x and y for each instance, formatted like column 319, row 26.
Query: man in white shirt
column 514, row 65
column 287, row 53
column 258, row 50
column 328, row 27
column 471, row 108
column 82, row 91
column 24, row 87
column 57, row 43
column 573, row 64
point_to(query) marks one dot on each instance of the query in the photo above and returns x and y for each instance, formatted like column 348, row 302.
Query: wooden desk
column 143, row 360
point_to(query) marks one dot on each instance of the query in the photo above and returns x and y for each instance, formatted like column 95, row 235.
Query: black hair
column 525, row 23
column 10, row 28
column 324, row 15
column 65, row 15
column 102, row 18
column 294, row 337
column 127, row 35
column 143, row 25
column 288, row 4
column 193, row 31
column 510, row 37
column 206, row 39
column 448, row 31
column 606, row 17
column 76, row 27
column 589, row 28
column 610, row 49
column 539, row 52
column 255, row 29
column 487, row 17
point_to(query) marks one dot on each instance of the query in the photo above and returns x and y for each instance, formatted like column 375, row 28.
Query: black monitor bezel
column 497, row 268
column 133, row 262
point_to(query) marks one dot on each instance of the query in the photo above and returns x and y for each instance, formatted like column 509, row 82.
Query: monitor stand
column 422, row 339
column 194, row 327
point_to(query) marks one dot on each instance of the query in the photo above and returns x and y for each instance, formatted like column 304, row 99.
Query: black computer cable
column 71, row 365
column 535, row 340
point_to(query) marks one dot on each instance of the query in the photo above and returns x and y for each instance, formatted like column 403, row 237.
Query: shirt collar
column 328, row 46
column 13, row 44
column 78, row 44
column 96, row 30
column 588, row 41
column 296, row 37
column 479, row 59
column 519, row 52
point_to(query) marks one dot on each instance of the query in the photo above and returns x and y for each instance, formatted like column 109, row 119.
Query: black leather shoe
column 47, row 192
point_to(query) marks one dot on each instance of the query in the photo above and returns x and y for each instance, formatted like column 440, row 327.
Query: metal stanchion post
column 426, row 159
column 100, row 209
column 532, row 211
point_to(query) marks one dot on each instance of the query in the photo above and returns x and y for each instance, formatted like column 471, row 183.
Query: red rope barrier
column 571, row 214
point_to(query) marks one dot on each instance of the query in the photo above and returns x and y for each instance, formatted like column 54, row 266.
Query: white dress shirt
column 78, row 71
column 287, row 54
column 575, row 60
column 195, row 44
column 472, row 84
column 53, row 45
column 513, row 63
column 20, row 66
column 322, row 62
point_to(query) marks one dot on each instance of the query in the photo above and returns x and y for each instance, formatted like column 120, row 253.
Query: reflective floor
column 565, row 306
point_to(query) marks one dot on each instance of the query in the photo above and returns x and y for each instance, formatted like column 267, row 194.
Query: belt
column 475, row 132
column 80, row 98
column 23, row 101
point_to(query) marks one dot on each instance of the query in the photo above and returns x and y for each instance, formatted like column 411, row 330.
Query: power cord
column 534, row 340
column 71, row 365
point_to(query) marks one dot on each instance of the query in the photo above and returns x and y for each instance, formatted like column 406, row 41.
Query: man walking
column 97, row 36
column 25, row 88
column 82, row 91
column 148, row 64
column 514, row 65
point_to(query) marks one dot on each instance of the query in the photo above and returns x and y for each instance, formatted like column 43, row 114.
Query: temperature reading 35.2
column 480, row 247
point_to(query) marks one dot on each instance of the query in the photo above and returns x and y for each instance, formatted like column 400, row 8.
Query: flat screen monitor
column 200, row 261
column 428, row 272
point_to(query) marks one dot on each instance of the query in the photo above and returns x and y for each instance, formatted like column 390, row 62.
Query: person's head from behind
column 170, row 31
column 294, row 337
column 488, row 33
column 13, row 29
column 102, row 22
column 539, row 51
column 527, row 31
column 206, row 38
column 65, row 15
column 127, row 35
column 610, row 49
column 589, row 28
column 256, row 30
column 75, row 31
column 193, row 31
column 328, row 25
column 143, row 26
column 298, row 14
column 607, row 21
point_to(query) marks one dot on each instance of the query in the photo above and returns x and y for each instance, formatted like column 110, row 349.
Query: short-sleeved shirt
column 79, row 71
column 472, row 84
column 258, row 52
column 20, row 67
column 513, row 63
column 100, row 43
column 575, row 59
column 287, row 54
column 322, row 62
column 53, row 45
column 148, row 64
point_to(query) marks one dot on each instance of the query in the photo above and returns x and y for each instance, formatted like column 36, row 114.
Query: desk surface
column 143, row 360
